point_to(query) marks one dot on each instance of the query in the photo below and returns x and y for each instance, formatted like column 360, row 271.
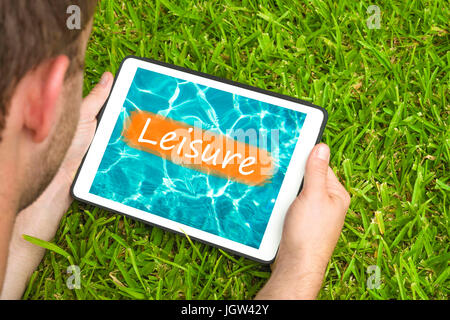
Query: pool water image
column 216, row 204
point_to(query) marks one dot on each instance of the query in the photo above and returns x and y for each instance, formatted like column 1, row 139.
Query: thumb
column 317, row 168
column 94, row 101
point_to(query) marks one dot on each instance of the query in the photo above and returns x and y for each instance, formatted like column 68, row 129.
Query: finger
column 316, row 170
column 336, row 189
column 333, row 181
column 93, row 102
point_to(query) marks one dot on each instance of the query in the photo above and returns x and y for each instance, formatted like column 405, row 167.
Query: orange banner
column 198, row 149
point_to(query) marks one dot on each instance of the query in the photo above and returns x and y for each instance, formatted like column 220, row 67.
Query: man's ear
column 44, row 87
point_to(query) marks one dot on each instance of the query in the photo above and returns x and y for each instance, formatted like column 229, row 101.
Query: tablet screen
column 203, row 157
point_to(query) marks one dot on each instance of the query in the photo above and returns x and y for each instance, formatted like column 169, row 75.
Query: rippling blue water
column 217, row 205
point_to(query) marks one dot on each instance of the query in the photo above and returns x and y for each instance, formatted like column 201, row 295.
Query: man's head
column 41, row 63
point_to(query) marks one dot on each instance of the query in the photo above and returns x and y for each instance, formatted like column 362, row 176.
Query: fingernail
column 104, row 80
column 323, row 152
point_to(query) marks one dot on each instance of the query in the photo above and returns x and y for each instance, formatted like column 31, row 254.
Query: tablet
column 207, row 157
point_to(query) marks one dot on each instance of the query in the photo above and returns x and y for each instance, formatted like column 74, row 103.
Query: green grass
column 386, row 94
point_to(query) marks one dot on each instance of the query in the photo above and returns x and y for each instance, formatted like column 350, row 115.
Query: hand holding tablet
column 217, row 160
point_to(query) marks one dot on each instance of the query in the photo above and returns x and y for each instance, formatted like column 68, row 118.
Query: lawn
column 386, row 92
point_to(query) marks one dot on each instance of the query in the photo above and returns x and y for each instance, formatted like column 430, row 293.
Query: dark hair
column 30, row 33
